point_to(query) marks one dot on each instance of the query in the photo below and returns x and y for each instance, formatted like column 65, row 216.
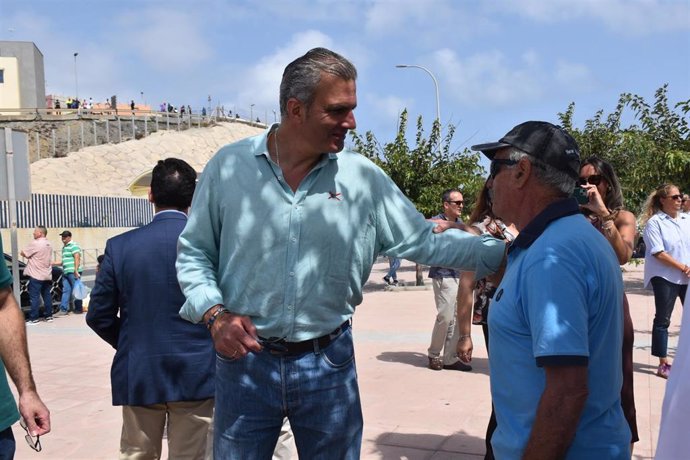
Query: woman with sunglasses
column 667, row 236
column 604, row 209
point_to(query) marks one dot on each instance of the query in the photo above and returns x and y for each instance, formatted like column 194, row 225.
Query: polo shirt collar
column 554, row 211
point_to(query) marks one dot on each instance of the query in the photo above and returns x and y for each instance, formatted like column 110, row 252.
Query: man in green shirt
column 71, row 272
column 15, row 356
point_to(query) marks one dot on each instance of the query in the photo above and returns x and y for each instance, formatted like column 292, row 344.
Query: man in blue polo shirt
column 556, row 318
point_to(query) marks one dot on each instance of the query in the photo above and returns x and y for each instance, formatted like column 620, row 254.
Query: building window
column 2, row 75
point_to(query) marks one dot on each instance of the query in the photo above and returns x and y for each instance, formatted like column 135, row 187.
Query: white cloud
column 489, row 78
column 629, row 17
column 573, row 75
column 167, row 39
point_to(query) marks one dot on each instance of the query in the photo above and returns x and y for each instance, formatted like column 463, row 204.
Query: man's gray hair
column 546, row 174
column 42, row 229
column 302, row 75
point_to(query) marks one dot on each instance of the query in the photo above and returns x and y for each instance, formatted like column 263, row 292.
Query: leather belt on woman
column 282, row 348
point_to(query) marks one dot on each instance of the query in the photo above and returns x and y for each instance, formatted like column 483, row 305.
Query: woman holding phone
column 603, row 207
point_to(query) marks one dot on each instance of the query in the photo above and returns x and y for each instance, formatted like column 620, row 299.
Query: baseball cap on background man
column 66, row 233
column 549, row 143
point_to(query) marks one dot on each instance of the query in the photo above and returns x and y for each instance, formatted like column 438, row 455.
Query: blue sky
column 497, row 63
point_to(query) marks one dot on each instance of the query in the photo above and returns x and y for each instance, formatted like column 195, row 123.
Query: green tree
column 654, row 149
column 425, row 170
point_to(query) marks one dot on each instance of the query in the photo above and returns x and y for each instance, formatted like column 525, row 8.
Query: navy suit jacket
column 160, row 357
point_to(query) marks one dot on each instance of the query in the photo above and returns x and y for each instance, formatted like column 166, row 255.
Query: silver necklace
column 275, row 143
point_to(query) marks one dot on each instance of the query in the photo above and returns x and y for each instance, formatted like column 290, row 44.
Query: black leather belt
column 282, row 348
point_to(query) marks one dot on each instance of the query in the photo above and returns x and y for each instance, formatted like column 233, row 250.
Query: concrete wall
column 9, row 89
column 32, row 85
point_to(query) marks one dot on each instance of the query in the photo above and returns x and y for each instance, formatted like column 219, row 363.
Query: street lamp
column 438, row 105
column 251, row 113
column 76, row 81
column 275, row 116
column 143, row 102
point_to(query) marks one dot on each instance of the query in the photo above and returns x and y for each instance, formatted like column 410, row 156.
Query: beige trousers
column 445, row 335
column 187, row 424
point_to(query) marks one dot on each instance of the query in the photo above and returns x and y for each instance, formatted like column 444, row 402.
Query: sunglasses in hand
column 35, row 445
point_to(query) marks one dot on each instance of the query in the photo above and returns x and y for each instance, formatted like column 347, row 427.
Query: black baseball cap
column 549, row 143
column 66, row 233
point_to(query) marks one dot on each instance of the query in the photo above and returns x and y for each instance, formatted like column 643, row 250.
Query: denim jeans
column 68, row 280
column 38, row 289
column 317, row 391
column 393, row 264
column 7, row 444
column 665, row 294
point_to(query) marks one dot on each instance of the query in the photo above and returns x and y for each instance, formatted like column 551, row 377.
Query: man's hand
column 443, row 225
column 233, row 335
column 464, row 349
column 35, row 413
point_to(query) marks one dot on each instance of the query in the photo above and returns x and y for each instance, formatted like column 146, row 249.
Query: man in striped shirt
column 71, row 272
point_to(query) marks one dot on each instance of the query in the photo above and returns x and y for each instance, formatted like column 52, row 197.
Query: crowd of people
column 239, row 337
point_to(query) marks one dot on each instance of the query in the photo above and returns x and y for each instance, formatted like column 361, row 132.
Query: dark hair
column 445, row 196
column 172, row 184
column 614, row 196
column 482, row 206
column 100, row 258
column 302, row 75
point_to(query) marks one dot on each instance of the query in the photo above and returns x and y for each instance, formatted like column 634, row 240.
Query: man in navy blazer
column 163, row 369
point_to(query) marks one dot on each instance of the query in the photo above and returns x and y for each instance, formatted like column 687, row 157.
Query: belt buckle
column 274, row 345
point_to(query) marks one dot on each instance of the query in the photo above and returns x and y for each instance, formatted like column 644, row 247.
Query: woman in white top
column 667, row 236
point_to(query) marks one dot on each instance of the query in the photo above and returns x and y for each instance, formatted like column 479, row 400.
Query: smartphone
column 580, row 195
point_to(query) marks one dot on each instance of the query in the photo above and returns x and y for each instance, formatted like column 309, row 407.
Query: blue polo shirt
column 559, row 303
column 8, row 408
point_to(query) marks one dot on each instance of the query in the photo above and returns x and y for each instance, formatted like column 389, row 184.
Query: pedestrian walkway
column 410, row 412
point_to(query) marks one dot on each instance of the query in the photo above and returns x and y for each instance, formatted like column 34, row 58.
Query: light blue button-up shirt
column 295, row 262
column 664, row 233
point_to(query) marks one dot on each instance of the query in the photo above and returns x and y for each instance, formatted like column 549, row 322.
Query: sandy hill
column 107, row 170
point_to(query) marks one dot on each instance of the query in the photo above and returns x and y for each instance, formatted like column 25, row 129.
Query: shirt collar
column 263, row 142
column 554, row 211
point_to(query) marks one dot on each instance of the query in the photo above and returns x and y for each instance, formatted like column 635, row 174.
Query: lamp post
column 251, row 113
column 143, row 102
column 275, row 117
column 438, row 104
column 76, row 80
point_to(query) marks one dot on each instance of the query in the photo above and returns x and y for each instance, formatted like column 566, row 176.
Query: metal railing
column 57, row 132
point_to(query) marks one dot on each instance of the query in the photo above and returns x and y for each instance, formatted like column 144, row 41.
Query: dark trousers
column 665, row 294
column 491, row 427
column 7, row 444
column 38, row 289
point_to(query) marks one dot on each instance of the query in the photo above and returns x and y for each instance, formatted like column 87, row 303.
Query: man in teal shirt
column 15, row 356
column 281, row 237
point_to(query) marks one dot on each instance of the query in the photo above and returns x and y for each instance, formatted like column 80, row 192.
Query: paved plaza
column 410, row 412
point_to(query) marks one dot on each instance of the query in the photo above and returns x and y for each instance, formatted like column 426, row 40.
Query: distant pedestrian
column 391, row 277
column 71, row 272
column 442, row 352
column 132, row 106
column 39, row 270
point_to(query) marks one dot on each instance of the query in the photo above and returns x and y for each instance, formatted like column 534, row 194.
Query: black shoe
column 387, row 280
column 458, row 366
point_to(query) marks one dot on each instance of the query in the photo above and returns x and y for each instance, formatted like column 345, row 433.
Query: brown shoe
column 435, row 364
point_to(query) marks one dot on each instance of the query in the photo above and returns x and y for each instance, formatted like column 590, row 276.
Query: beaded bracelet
column 215, row 315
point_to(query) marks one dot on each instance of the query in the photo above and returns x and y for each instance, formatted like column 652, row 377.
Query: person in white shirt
column 667, row 236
